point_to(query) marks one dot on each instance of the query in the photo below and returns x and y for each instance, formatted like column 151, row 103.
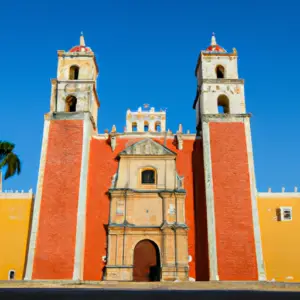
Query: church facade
column 147, row 204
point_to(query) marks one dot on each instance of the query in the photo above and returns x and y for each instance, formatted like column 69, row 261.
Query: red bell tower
column 56, row 247
column 233, row 227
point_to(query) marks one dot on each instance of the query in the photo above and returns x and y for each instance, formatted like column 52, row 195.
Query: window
column 284, row 214
column 148, row 177
column 223, row 105
column 134, row 126
column 220, row 72
column 146, row 126
column 74, row 73
column 71, row 102
column 11, row 274
column 157, row 126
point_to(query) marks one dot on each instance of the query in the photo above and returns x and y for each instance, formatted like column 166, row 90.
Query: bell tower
column 233, row 227
column 56, row 247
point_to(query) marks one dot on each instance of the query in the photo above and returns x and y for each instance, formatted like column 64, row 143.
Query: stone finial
column 269, row 190
column 234, row 51
column 213, row 40
column 30, row 190
column 139, row 109
column 179, row 141
column 152, row 109
column 82, row 42
column 180, row 128
column 296, row 189
column 113, row 129
column 188, row 131
column 283, row 189
column 113, row 142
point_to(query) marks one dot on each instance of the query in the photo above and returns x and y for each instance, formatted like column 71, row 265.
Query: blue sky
column 147, row 52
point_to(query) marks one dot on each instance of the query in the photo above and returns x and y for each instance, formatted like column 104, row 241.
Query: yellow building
column 15, row 219
column 279, row 223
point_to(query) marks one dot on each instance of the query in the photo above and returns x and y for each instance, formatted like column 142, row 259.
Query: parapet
column 146, row 120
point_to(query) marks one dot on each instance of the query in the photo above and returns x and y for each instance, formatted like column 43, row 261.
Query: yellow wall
column 15, row 217
column 280, row 239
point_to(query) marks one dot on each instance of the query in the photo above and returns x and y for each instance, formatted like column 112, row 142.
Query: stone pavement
column 110, row 285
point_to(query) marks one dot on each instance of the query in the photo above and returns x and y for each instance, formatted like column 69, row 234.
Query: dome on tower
column 81, row 47
column 214, row 47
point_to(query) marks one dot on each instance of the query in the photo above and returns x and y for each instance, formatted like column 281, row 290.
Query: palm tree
column 9, row 159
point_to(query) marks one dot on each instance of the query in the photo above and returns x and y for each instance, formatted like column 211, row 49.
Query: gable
column 147, row 147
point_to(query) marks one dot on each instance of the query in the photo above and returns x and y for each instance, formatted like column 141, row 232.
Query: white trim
column 192, row 137
column 37, row 203
column 210, row 206
column 82, row 198
column 256, row 224
column 16, row 196
column 278, row 195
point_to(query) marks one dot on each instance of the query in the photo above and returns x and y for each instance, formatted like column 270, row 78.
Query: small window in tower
column 284, row 214
column 220, row 71
column 157, row 126
column 11, row 274
column 146, row 126
column 223, row 105
column 148, row 177
column 71, row 102
column 74, row 73
column 134, row 126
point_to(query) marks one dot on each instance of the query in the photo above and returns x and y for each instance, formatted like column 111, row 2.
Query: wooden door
column 146, row 262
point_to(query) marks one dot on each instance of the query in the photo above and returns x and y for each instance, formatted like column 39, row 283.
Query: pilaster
column 37, row 203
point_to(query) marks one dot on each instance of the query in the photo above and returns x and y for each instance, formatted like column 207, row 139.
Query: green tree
column 9, row 159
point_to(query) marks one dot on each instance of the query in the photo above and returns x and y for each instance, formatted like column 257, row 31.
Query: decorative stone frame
column 147, row 185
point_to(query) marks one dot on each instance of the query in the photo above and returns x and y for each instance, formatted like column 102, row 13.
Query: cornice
column 224, row 117
column 223, row 81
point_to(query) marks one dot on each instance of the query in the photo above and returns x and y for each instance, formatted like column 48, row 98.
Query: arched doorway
column 146, row 262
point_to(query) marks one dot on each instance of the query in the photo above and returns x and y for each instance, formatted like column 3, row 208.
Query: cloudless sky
column 147, row 52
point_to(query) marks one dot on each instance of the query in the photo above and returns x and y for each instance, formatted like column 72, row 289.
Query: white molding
column 278, row 195
column 82, row 198
column 256, row 224
column 210, row 206
column 16, row 196
column 142, row 135
column 37, row 203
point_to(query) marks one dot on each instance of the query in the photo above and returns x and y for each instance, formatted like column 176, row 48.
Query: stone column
column 168, row 263
column 182, row 254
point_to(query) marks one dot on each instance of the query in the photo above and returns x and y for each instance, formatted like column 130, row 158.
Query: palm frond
column 9, row 159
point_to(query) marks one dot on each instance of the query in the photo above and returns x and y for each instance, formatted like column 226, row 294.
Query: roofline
column 278, row 195
column 153, row 141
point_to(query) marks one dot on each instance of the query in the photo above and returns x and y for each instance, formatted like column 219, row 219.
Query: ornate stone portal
column 147, row 203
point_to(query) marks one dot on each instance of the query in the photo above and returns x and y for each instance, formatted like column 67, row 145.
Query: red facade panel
column 233, row 208
column 55, row 247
